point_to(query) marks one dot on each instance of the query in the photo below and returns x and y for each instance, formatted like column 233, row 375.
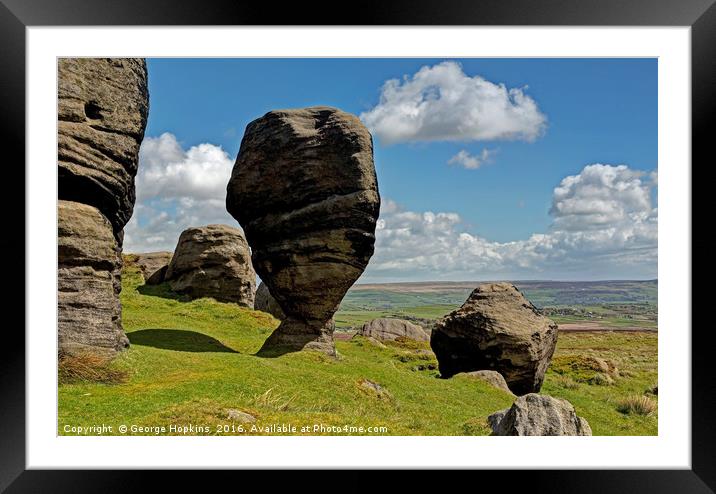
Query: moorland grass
column 192, row 361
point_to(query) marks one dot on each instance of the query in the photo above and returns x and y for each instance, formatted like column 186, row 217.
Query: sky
column 488, row 169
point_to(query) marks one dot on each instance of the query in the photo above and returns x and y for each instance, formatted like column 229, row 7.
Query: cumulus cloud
column 176, row 189
column 604, row 225
column 442, row 103
column 472, row 161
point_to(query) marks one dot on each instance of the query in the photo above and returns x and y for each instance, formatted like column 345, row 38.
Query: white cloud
column 166, row 170
column 472, row 161
column 176, row 189
column 604, row 226
column 442, row 103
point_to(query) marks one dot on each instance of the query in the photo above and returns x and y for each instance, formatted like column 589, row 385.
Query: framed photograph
column 384, row 243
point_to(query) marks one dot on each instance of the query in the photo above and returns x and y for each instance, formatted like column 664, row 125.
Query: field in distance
column 581, row 305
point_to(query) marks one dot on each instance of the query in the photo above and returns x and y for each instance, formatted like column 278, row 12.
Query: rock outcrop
column 213, row 261
column 102, row 113
column 497, row 328
column 265, row 302
column 153, row 265
column 491, row 377
column 89, row 264
column 386, row 329
column 538, row 415
column 305, row 191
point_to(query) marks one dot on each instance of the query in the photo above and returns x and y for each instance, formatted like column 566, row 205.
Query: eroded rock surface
column 102, row 111
column 497, row 328
column 538, row 415
column 213, row 261
column 102, row 114
column 265, row 302
column 153, row 265
column 305, row 191
column 385, row 329
column 89, row 264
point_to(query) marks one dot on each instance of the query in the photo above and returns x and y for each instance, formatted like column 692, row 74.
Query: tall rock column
column 102, row 111
column 304, row 189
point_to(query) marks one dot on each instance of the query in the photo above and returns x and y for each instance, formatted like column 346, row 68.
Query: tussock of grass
column 88, row 368
column 586, row 369
column 638, row 405
column 476, row 427
column 274, row 401
column 565, row 382
column 407, row 343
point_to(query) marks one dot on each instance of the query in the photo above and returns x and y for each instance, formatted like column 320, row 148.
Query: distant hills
column 540, row 293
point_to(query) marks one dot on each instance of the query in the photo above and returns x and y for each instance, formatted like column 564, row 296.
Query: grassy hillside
column 191, row 362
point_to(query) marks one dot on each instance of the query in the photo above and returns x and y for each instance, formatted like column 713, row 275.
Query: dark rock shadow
column 275, row 351
column 178, row 339
column 162, row 290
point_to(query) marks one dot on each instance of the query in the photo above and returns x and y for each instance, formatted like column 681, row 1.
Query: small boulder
column 538, row 415
column 239, row 416
column 265, row 302
column 491, row 377
column 213, row 261
column 387, row 329
column 153, row 266
column 497, row 328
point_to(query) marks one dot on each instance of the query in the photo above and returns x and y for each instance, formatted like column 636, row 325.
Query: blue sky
column 579, row 112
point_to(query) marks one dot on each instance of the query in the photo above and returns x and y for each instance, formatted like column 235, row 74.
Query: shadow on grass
column 162, row 290
column 180, row 340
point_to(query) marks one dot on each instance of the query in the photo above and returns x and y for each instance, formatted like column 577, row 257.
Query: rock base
column 293, row 335
column 88, row 283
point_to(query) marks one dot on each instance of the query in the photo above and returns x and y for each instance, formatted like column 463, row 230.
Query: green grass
column 571, row 378
column 192, row 361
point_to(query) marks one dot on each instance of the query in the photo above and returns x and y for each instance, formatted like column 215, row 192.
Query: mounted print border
column 16, row 15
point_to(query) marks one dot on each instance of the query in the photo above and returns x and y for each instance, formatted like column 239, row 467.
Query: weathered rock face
column 153, row 266
column 383, row 329
column 265, row 302
column 496, row 329
column 89, row 264
column 491, row 377
column 305, row 191
column 213, row 261
column 102, row 113
column 538, row 415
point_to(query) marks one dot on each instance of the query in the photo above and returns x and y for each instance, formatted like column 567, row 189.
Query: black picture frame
column 16, row 15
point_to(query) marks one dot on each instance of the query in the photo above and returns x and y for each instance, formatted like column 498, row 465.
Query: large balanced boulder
column 213, row 261
column 102, row 114
column 305, row 191
column 153, row 265
column 88, row 282
column 102, row 111
column 265, row 302
column 538, row 415
column 388, row 329
column 497, row 328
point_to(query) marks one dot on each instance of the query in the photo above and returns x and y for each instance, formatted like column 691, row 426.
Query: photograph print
column 357, row 246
